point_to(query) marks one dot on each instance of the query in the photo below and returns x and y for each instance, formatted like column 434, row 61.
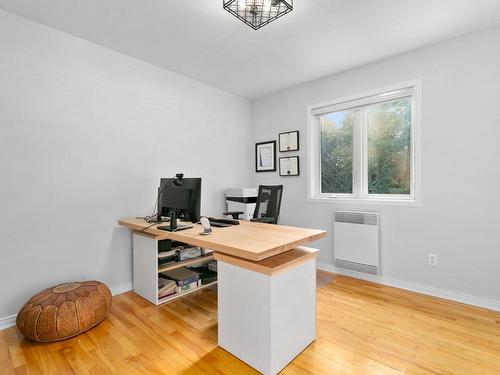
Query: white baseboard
column 451, row 295
column 122, row 288
column 10, row 321
column 7, row 322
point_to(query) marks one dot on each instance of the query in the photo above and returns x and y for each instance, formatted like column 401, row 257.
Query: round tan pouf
column 64, row 311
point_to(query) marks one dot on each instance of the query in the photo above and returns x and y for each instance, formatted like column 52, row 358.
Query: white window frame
column 360, row 190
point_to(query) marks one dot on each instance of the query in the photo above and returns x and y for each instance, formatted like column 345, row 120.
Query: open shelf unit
column 146, row 269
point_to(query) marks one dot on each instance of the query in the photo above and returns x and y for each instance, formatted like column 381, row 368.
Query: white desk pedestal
column 266, row 320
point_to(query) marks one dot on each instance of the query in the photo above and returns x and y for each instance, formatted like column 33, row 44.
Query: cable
column 176, row 181
column 152, row 225
column 146, row 218
column 149, row 226
column 164, row 221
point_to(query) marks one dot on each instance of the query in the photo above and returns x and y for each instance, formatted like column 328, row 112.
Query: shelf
column 178, row 295
column 187, row 262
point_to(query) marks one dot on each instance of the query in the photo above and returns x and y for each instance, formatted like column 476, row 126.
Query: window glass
column 389, row 147
column 336, row 152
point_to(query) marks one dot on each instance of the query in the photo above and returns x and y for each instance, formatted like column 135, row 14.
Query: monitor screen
column 177, row 197
column 175, row 194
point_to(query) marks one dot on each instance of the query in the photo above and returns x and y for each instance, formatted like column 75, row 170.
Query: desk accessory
column 207, row 229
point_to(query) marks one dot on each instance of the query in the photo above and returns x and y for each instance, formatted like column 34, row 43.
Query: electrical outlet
column 433, row 259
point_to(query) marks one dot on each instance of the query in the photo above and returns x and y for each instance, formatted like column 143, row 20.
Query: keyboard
column 218, row 224
column 222, row 222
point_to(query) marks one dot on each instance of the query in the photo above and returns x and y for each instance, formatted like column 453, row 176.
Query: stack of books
column 166, row 287
column 167, row 257
column 184, row 278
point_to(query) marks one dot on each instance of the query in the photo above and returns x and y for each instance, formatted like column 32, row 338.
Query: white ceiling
column 198, row 39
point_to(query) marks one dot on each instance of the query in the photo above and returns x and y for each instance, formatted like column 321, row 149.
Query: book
column 166, row 294
column 187, row 287
column 166, row 285
column 181, row 275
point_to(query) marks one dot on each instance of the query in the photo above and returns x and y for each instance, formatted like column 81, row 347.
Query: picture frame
column 265, row 156
column 289, row 141
column 289, row 166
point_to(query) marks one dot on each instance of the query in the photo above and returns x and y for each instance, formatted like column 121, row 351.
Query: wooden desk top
column 252, row 241
column 273, row 265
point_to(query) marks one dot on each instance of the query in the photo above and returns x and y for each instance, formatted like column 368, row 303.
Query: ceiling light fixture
column 258, row 13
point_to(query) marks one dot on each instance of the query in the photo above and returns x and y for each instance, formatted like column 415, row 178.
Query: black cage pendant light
column 258, row 13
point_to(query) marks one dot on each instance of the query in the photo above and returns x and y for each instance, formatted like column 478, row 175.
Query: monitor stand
column 174, row 227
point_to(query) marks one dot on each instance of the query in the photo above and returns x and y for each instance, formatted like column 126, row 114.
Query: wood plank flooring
column 363, row 328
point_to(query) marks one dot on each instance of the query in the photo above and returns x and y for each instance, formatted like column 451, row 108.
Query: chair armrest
column 263, row 220
column 234, row 214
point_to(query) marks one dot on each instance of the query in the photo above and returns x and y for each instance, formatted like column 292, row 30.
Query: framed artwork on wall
column 289, row 166
column 265, row 156
column 289, row 141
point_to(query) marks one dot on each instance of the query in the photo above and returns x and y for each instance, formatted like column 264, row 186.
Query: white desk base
column 266, row 321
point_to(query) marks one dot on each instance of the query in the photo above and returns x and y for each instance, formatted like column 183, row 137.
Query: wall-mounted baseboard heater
column 356, row 241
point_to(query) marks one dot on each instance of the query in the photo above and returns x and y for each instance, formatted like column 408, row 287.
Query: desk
column 266, row 285
column 249, row 240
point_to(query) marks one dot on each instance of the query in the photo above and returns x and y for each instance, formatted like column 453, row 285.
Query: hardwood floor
column 363, row 328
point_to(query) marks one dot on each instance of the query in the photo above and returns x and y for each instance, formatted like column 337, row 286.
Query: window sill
column 370, row 202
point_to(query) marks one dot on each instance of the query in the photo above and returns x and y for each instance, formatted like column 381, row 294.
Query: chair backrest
column 268, row 202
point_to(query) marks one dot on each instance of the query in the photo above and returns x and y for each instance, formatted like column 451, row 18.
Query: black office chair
column 267, row 209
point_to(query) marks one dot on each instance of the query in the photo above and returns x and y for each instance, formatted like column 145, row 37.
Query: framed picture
column 265, row 156
column 289, row 141
column 289, row 166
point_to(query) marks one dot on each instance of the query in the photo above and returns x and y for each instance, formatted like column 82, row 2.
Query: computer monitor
column 177, row 197
column 181, row 197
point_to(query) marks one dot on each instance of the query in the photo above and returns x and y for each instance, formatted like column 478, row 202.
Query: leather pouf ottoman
column 64, row 311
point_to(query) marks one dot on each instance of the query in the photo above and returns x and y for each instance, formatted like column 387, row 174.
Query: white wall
column 85, row 135
column 459, row 219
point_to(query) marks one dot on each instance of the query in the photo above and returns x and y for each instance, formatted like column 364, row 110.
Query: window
column 366, row 148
